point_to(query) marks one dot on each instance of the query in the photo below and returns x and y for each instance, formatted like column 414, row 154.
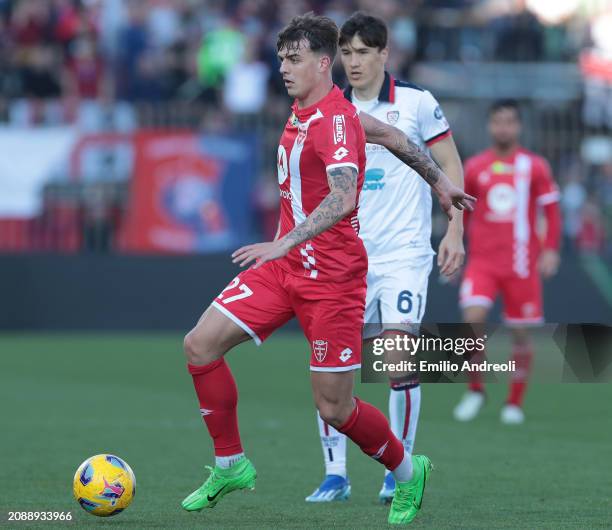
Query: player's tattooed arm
column 337, row 204
column 400, row 145
column 413, row 156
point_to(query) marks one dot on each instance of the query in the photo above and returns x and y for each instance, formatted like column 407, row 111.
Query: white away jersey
column 395, row 202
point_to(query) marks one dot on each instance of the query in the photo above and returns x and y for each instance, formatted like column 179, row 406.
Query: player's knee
column 189, row 347
column 333, row 413
column 475, row 314
column 329, row 414
column 196, row 349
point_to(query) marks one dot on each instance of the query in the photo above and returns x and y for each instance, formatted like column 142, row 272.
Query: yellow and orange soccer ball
column 104, row 485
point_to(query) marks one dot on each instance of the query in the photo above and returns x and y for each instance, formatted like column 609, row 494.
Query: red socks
column 522, row 355
column 370, row 430
column 216, row 389
column 475, row 376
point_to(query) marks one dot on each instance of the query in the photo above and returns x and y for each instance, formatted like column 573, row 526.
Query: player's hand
column 260, row 253
column 450, row 195
column 548, row 263
column 451, row 253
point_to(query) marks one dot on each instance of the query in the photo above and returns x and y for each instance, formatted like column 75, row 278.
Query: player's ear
column 325, row 63
column 384, row 53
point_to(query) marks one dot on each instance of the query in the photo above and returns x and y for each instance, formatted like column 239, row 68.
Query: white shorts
column 397, row 295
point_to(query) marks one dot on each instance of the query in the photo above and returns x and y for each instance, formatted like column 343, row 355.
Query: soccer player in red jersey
column 315, row 270
column 505, row 254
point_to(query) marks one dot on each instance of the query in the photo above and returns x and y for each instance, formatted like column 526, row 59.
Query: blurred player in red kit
column 315, row 270
column 506, row 255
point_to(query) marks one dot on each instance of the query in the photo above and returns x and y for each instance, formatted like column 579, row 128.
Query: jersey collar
column 387, row 90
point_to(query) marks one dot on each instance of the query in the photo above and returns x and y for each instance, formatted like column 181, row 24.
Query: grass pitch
column 67, row 397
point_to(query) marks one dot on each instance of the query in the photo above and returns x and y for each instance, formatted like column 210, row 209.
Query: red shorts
column 521, row 297
column 331, row 314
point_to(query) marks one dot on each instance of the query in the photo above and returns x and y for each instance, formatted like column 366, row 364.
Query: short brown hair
column 320, row 32
column 371, row 30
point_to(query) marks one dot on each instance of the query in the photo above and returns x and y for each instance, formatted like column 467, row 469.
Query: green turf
column 67, row 397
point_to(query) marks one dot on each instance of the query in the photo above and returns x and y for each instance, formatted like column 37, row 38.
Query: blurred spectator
column 221, row 50
column 174, row 74
column 164, row 23
column 84, row 71
column 248, row 72
column 133, row 42
column 146, row 83
column 38, row 73
column 596, row 66
column 30, row 23
column 74, row 21
column 519, row 35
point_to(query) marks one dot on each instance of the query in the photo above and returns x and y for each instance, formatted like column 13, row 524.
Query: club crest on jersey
column 393, row 116
column 319, row 348
column 293, row 120
column 339, row 129
column 502, row 199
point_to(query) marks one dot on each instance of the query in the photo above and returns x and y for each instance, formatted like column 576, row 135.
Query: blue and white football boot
column 385, row 495
column 333, row 488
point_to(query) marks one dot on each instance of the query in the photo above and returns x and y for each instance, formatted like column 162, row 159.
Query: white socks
column 225, row 462
column 404, row 408
column 403, row 472
column 334, row 449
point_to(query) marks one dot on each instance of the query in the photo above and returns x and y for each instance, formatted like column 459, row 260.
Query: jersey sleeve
column 432, row 122
column 336, row 140
column 546, row 190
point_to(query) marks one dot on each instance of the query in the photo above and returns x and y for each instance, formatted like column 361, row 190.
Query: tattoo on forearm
column 408, row 152
column 342, row 183
column 412, row 155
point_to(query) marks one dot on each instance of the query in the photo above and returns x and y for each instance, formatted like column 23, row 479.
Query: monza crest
column 319, row 348
column 393, row 116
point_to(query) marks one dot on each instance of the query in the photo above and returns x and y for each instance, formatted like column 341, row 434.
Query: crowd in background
column 63, row 60
column 155, row 50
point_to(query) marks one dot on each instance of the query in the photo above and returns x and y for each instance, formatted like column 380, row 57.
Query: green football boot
column 240, row 476
column 409, row 495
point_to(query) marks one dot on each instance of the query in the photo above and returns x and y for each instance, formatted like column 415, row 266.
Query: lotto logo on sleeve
column 340, row 153
column 339, row 129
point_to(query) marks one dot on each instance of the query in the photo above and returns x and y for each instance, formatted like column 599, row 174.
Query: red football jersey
column 502, row 228
column 325, row 135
